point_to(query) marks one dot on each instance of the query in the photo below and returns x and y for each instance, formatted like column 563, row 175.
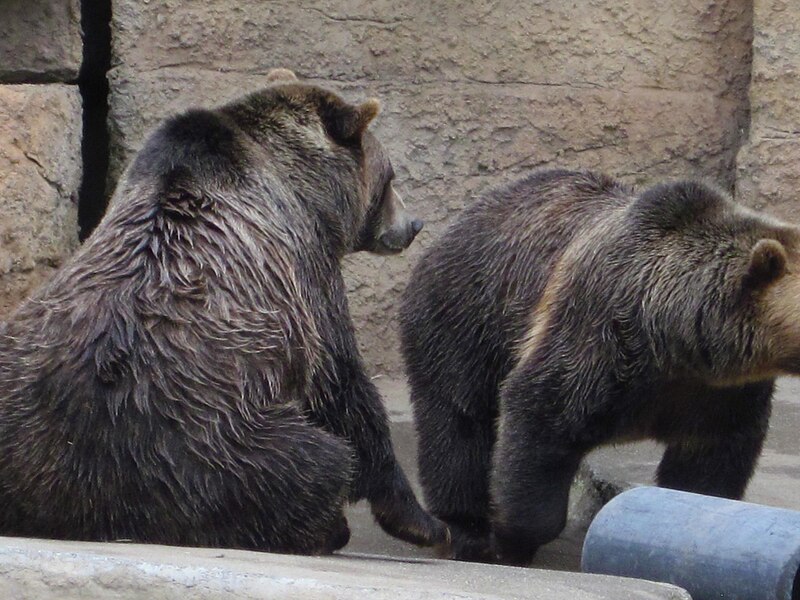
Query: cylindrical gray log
column 712, row 547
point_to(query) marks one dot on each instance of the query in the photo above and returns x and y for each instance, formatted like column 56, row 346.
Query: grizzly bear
column 191, row 376
column 566, row 311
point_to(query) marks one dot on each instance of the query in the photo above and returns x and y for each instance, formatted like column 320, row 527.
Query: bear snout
column 399, row 237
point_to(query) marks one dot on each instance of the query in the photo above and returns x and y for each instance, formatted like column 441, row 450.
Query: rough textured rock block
column 40, row 41
column 768, row 172
column 40, row 172
column 767, row 165
column 474, row 93
column 686, row 44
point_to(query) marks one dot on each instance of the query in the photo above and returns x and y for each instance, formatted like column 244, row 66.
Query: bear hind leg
column 281, row 489
column 454, row 463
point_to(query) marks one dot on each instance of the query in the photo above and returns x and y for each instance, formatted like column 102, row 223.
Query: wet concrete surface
column 775, row 483
column 375, row 565
column 561, row 554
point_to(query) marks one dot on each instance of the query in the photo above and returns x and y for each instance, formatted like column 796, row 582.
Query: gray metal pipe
column 712, row 547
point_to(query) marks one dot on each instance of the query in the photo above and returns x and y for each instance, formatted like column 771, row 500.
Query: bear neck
column 325, row 184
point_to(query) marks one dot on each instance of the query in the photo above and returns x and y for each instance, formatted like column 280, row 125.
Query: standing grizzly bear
column 191, row 376
column 567, row 311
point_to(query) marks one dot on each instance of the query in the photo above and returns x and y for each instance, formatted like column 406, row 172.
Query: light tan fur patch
column 601, row 225
column 541, row 315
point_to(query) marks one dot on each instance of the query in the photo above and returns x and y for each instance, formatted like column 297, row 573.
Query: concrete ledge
column 44, row 570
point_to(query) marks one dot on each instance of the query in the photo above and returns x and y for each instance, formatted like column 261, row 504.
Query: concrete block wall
column 40, row 142
column 474, row 94
column 768, row 174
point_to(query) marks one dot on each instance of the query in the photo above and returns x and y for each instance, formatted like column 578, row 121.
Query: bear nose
column 417, row 225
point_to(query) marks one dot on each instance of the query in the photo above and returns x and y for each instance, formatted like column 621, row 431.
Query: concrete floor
column 776, row 482
column 57, row 570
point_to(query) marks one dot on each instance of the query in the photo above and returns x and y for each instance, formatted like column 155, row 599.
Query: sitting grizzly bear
column 191, row 376
column 566, row 311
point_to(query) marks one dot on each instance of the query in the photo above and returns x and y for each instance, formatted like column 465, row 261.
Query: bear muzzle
column 399, row 236
column 398, row 227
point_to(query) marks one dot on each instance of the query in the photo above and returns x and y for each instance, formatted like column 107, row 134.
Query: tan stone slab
column 45, row 570
column 40, row 173
column 768, row 165
column 684, row 45
column 775, row 84
column 769, row 172
column 40, row 40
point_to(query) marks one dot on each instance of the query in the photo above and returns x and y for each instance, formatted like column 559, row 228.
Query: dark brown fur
column 192, row 375
column 566, row 311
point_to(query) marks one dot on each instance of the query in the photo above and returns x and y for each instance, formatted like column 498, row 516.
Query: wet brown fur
column 191, row 376
column 566, row 311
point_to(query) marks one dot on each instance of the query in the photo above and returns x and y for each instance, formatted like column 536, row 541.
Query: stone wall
column 474, row 93
column 40, row 41
column 40, row 142
column 769, row 164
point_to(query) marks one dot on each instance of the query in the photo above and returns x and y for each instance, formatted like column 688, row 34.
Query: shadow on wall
column 93, row 83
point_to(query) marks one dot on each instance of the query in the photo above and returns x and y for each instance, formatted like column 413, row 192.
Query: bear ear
column 346, row 123
column 767, row 262
column 281, row 75
column 367, row 111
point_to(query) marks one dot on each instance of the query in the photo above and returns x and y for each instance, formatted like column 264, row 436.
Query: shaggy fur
column 566, row 311
column 191, row 376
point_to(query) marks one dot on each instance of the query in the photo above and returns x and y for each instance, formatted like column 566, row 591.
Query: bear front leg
column 534, row 464
column 346, row 403
column 714, row 450
column 531, row 486
column 398, row 512
column 350, row 406
column 383, row 481
column 380, row 479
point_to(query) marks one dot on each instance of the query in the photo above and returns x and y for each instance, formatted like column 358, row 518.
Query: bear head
column 722, row 291
column 340, row 170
